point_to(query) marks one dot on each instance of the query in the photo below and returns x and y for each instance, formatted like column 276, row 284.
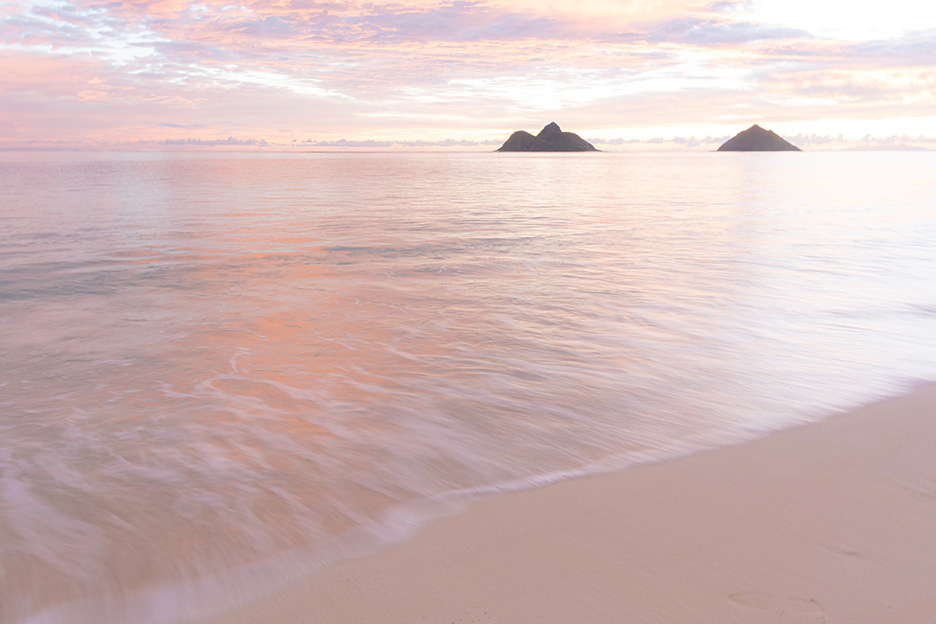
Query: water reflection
column 210, row 361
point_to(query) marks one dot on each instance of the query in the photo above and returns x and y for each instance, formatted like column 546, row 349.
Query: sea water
column 219, row 372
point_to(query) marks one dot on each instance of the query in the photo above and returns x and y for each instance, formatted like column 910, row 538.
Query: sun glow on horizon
column 847, row 19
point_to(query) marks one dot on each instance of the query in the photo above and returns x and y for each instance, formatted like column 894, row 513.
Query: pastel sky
column 463, row 74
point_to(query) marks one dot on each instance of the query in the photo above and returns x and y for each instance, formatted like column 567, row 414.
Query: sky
column 462, row 74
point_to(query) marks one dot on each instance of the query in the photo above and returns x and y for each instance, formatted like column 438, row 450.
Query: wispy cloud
column 228, row 142
column 709, row 31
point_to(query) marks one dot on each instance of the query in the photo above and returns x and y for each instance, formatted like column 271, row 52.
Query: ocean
column 220, row 372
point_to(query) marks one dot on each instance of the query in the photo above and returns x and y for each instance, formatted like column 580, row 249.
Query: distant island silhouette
column 756, row 139
column 550, row 139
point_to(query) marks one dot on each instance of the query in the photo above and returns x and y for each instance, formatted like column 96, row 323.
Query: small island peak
column 757, row 139
column 552, row 128
column 550, row 139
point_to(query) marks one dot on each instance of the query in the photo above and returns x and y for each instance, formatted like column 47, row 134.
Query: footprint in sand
column 762, row 601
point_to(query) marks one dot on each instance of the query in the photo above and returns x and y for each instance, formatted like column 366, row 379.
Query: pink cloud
column 180, row 70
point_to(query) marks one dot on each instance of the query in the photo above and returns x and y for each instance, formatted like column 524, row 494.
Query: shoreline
column 827, row 522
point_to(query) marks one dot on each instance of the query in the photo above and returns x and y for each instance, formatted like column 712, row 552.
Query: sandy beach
column 828, row 522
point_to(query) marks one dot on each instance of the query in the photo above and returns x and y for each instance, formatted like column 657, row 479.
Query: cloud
column 690, row 141
column 917, row 49
column 347, row 143
column 411, row 70
column 373, row 143
column 46, row 27
column 463, row 22
column 701, row 31
column 230, row 141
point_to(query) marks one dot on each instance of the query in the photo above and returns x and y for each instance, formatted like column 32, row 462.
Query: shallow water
column 221, row 371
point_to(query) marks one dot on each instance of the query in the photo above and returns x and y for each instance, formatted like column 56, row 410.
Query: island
column 550, row 139
column 756, row 139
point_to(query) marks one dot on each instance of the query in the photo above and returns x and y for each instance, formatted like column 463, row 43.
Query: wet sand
column 824, row 523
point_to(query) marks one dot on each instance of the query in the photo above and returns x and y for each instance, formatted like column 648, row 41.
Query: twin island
column 553, row 139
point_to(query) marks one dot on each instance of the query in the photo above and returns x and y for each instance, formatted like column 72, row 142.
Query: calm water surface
column 218, row 372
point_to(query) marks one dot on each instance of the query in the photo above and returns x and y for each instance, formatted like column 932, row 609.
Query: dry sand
column 833, row 522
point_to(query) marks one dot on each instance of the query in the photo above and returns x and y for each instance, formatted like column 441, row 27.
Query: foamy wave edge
column 200, row 599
